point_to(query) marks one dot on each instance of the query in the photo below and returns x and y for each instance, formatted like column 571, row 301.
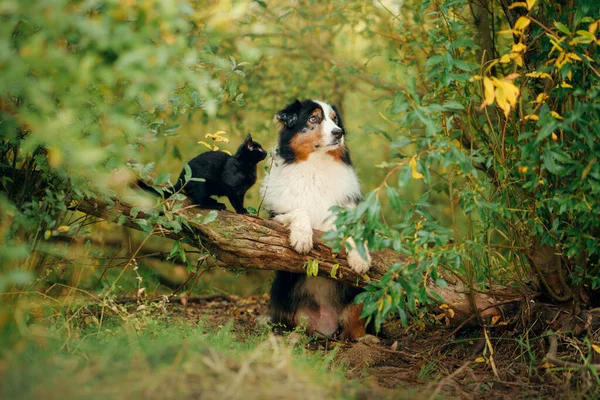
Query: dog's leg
column 353, row 326
column 301, row 233
column 355, row 261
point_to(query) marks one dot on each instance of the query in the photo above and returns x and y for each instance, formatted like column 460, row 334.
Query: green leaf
column 210, row 217
column 434, row 60
column 188, row 173
column 561, row 27
column 549, row 158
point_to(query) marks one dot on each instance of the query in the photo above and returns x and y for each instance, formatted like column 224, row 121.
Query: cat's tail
column 166, row 191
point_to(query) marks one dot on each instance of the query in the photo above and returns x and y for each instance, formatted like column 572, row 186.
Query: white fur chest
column 313, row 185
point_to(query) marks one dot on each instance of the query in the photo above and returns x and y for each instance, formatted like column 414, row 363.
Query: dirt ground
column 426, row 359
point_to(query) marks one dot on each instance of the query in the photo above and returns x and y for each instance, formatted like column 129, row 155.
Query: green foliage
column 474, row 163
column 523, row 175
column 85, row 85
column 165, row 360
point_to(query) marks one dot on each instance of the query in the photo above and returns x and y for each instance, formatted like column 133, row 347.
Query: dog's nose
column 337, row 133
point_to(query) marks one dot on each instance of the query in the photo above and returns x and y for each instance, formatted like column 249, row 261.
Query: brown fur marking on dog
column 307, row 141
column 353, row 326
column 337, row 153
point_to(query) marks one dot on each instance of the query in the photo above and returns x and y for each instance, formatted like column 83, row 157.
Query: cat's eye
column 313, row 119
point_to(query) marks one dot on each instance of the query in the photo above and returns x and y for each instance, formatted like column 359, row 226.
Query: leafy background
column 473, row 127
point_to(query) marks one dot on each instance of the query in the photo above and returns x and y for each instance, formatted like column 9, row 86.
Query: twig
column 552, row 357
column 448, row 380
column 466, row 321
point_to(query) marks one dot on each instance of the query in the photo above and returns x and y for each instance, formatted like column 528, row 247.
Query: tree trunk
column 243, row 241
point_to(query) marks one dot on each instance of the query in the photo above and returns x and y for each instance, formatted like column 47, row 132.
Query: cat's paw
column 357, row 263
column 242, row 211
column 301, row 240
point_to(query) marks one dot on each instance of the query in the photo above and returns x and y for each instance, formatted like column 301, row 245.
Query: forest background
column 473, row 127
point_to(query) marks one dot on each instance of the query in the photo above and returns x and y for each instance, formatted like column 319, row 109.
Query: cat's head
column 251, row 151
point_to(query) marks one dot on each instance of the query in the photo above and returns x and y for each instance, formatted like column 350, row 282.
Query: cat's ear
column 289, row 115
column 248, row 141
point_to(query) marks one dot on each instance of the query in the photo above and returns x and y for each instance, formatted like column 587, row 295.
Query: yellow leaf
column 334, row 270
column 480, row 360
column 555, row 44
column 227, row 152
column 518, row 48
column 495, row 319
column 217, row 136
column 450, row 313
column 506, row 95
column 518, row 59
column 522, row 23
column 413, row 166
column 561, row 60
column 512, row 92
column 55, row 157
column 444, row 306
column 530, row 4
column 488, row 89
column 554, row 137
column 565, row 85
column 523, row 169
column 312, row 267
column 205, row 144
column 596, row 348
column 542, row 97
column 517, row 4
column 532, row 117
column 547, row 365
column 574, row 56
column 556, row 115
column 505, row 59
column 537, row 74
column 380, row 305
column 593, row 26
column 63, row 229
column 501, row 101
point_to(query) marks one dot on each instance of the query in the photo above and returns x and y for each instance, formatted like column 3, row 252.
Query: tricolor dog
column 311, row 173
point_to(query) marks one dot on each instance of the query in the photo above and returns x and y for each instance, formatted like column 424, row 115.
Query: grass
column 165, row 361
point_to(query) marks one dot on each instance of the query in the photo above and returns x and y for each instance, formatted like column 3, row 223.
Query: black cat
column 223, row 175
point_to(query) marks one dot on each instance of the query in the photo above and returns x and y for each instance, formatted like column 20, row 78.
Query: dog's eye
column 313, row 119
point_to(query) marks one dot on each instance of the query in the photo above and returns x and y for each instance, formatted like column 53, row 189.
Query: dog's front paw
column 301, row 240
column 357, row 263
column 283, row 219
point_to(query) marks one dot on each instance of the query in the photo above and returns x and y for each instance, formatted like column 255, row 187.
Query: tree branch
column 243, row 241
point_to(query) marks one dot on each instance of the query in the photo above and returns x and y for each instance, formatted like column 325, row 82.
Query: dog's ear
column 289, row 115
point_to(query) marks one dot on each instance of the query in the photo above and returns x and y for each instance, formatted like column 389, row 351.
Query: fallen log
column 244, row 241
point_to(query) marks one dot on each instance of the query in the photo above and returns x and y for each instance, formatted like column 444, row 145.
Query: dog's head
column 308, row 127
